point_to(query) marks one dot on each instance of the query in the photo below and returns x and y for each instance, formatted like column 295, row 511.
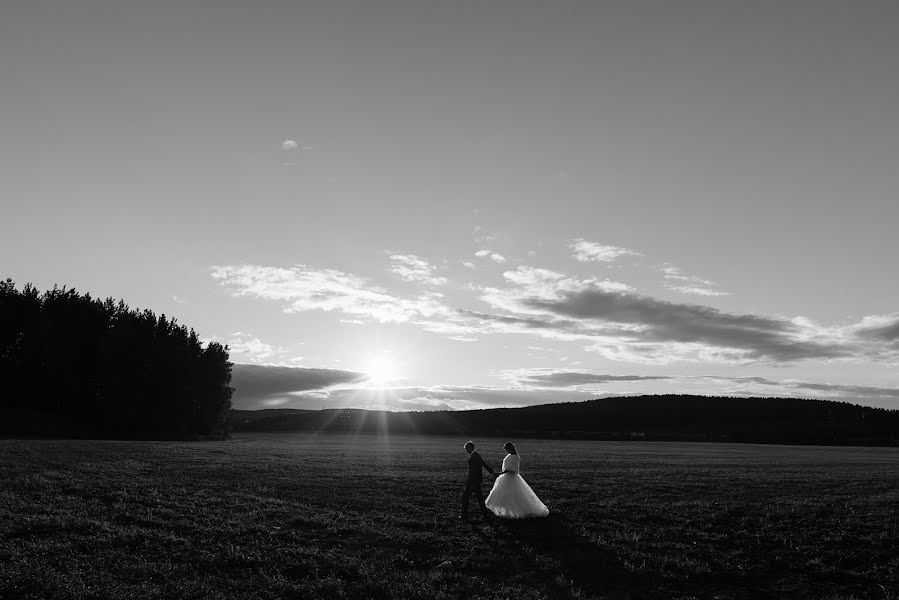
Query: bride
column 511, row 496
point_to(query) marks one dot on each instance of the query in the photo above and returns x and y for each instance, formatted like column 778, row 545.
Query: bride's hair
column 510, row 448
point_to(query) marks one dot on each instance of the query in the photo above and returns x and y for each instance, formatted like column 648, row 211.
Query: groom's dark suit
column 473, row 483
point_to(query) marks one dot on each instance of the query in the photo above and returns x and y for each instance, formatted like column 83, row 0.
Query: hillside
column 661, row 417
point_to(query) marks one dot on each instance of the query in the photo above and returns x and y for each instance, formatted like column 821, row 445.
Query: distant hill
column 654, row 417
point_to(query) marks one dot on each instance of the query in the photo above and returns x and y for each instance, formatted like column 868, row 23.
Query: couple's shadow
column 553, row 549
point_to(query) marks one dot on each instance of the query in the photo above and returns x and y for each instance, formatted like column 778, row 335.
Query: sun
column 382, row 370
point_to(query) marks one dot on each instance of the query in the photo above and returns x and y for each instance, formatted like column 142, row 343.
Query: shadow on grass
column 555, row 550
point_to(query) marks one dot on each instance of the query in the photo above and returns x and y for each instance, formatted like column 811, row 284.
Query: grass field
column 342, row 516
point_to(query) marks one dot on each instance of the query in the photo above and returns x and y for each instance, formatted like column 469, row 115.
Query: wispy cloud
column 561, row 378
column 605, row 384
column 262, row 386
column 481, row 237
column 438, row 397
column 410, row 267
column 317, row 388
column 886, row 397
column 302, row 288
column 658, row 321
column 265, row 386
column 626, row 325
column 607, row 317
column 883, row 328
column 249, row 348
column 678, row 281
column 289, row 145
column 585, row 251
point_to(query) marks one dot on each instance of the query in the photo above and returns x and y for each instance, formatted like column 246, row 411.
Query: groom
column 473, row 482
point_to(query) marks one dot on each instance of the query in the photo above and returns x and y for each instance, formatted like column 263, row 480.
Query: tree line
column 75, row 365
column 648, row 417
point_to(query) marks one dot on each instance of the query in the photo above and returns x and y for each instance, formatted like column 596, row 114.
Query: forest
column 72, row 365
column 649, row 417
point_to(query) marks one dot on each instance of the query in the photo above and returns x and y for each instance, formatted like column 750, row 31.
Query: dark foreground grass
column 342, row 516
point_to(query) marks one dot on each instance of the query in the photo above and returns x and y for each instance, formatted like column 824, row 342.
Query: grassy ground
column 341, row 516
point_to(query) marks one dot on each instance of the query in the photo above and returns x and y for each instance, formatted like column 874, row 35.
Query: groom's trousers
column 473, row 488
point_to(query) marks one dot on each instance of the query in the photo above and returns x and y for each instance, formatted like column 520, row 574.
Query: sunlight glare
column 382, row 370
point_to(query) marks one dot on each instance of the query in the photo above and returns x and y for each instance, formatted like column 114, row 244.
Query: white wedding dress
column 511, row 496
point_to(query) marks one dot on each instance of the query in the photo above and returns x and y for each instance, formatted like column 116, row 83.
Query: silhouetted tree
column 73, row 364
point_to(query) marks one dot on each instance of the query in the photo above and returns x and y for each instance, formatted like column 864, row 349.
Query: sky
column 420, row 205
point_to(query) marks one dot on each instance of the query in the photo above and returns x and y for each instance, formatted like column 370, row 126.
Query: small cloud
column 689, row 284
column 410, row 267
column 177, row 299
column 289, row 145
column 565, row 378
column 697, row 290
column 481, row 237
column 585, row 251
column 247, row 347
column 468, row 265
column 494, row 256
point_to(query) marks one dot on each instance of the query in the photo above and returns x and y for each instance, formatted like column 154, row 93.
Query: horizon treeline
column 650, row 417
column 75, row 365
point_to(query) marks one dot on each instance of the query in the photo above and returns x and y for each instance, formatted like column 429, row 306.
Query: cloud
column 250, row 348
column 493, row 323
column 302, row 288
column 865, row 392
column 494, row 256
column 266, row 386
column 410, row 267
column 262, row 386
column 608, row 317
column 481, row 237
column 880, row 327
column 548, row 386
column 754, row 336
column 689, row 284
column 884, row 397
column 289, row 145
column 626, row 325
column 714, row 385
column 696, row 290
column 558, row 378
column 585, row 251
column 442, row 397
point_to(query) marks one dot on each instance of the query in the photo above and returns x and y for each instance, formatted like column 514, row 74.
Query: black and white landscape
column 266, row 266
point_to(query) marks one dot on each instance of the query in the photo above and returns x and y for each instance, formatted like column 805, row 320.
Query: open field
column 343, row 516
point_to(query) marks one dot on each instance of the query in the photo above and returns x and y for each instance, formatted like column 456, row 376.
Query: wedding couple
column 511, row 496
